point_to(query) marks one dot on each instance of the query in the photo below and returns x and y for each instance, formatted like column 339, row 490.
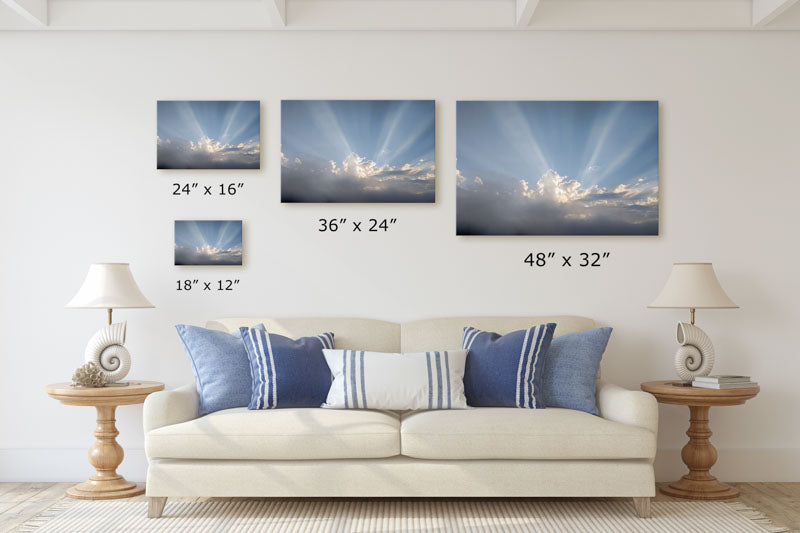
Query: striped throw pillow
column 410, row 381
column 286, row 372
column 506, row 370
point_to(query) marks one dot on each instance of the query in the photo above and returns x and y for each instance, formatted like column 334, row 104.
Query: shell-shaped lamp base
column 106, row 349
column 695, row 357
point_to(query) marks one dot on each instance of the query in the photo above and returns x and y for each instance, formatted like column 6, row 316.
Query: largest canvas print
column 358, row 151
column 557, row 168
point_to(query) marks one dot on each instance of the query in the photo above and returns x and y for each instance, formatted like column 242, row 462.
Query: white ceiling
column 399, row 14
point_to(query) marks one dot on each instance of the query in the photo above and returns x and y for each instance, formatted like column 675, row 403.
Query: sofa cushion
column 286, row 372
column 220, row 365
column 509, row 433
column 570, row 370
column 279, row 434
column 506, row 370
column 397, row 381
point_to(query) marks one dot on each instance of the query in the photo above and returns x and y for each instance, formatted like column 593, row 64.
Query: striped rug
column 564, row 516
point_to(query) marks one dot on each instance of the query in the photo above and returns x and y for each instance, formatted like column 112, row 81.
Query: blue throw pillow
column 286, row 372
column 220, row 365
column 506, row 371
column 571, row 369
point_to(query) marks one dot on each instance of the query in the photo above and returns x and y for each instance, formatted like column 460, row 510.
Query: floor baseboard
column 738, row 464
column 72, row 465
column 62, row 464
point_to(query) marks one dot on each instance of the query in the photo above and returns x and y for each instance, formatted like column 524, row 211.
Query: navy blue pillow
column 571, row 369
column 220, row 366
column 506, row 371
column 286, row 372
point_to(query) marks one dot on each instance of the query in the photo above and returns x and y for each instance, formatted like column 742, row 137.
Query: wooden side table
column 106, row 454
column 698, row 454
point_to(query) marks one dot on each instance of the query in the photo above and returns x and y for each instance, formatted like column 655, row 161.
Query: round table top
column 114, row 394
column 674, row 392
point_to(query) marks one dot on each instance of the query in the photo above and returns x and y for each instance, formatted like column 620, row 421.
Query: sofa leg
column 155, row 506
column 642, row 506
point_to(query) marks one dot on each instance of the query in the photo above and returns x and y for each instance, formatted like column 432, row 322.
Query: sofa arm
column 635, row 408
column 170, row 407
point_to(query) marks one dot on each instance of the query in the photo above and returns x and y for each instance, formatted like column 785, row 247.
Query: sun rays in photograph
column 209, row 134
column 557, row 167
column 358, row 151
column 208, row 242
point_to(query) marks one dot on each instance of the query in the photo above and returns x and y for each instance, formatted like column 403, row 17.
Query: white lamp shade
column 109, row 286
column 693, row 286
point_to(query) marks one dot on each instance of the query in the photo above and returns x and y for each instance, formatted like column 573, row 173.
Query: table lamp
column 109, row 286
column 693, row 286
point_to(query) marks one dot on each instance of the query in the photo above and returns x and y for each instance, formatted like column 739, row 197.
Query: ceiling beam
column 765, row 11
column 530, row 15
column 34, row 11
column 277, row 10
column 525, row 9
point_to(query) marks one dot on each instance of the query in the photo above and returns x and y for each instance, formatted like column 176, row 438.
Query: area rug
column 565, row 516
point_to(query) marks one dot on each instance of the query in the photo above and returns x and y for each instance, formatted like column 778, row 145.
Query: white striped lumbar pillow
column 396, row 381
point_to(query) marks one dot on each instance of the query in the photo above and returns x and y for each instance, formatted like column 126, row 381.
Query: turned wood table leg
column 699, row 455
column 105, row 456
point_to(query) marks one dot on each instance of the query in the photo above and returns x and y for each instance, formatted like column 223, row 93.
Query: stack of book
column 723, row 382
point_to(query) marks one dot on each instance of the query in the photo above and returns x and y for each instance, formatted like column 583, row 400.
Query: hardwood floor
column 21, row 501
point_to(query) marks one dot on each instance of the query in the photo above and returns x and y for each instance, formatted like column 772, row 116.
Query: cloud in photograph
column 556, row 205
column 358, row 151
column 208, row 242
column 357, row 179
column 209, row 135
column 557, row 168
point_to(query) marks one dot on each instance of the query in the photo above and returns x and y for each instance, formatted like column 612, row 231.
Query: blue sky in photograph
column 357, row 150
column 209, row 134
column 208, row 242
column 557, row 167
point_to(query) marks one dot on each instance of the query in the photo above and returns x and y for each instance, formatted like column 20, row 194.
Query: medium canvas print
column 358, row 151
column 209, row 134
column 557, row 168
column 208, row 242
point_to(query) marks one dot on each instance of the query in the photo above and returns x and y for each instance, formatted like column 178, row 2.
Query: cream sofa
column 480, row 452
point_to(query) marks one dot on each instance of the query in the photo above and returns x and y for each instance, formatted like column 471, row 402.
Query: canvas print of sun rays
column 209, row 134
column 208, row 242
column 358, row 151
column 557, row 168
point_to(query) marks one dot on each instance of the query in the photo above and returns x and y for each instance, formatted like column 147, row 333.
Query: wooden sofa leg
column 642, row 506
column 155, row 506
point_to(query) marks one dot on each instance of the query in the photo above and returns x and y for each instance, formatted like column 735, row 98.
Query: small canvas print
column 557, row 168
column 358, row 151
column 209, row 134
column 208, row 242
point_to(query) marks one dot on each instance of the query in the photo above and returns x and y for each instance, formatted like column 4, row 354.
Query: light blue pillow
column 286, row 372
column 506, row 371
column 570, row 369
column 220, row 365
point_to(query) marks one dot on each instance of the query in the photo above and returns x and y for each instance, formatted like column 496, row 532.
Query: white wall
column 77, row 141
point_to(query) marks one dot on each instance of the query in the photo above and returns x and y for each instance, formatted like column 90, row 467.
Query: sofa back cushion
column 417, row 336
column 351, row 333
column 447, row 333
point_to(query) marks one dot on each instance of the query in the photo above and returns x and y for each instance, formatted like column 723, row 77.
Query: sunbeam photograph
column 209, row 134
column 208, row 242
column 557, row 168
column 358, row 151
